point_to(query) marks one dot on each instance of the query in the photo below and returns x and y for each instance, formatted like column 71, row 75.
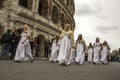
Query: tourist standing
column 6, row 44
column 15, row 40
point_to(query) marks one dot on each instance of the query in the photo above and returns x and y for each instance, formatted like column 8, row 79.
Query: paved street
column 43, row 70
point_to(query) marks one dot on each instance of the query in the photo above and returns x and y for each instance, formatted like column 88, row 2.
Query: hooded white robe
column 23, row 51
column 54, row 49
column 104, row 54
column 80, row 53
column 90, row 53
column 64, row 49
column 96, row 50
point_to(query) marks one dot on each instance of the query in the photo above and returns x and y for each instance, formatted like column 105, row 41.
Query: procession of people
column 74, row 51
column 62, row 49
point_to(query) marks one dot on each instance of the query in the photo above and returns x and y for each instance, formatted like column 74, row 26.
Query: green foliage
column 115, row 53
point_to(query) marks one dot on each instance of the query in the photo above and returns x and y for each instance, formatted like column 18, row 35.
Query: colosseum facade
column 44, row 17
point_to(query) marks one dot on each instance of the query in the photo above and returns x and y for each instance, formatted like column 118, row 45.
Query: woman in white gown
column 90, row 53
column 64, row 52
column 23, row 51
column 72, row 47
column 72, row 53
column 80, row 50
column 97, row 50
column 54, row 50
column 104, row 53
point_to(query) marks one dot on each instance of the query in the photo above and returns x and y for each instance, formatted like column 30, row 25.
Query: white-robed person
column 72, row 46
column 80, row 50
column 72, row 53
column 96, row 51
column 90, row 53
column 23, row 51
column 104, row 53
column 65, row 45
column 54, row 50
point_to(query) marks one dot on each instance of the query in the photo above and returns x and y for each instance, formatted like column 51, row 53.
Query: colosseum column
column 11, row 24
column 35, row 6
column 50, row 10
column 15, row 2
column 34, row 31
column 59, row 19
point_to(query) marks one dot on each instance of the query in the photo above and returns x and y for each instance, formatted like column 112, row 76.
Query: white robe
column 80, row 53
column 71, row 53
column 90, row 52
column 104, row 54
column 54, row 54
column 23, row 51
column 96, row 50
column 64, row 50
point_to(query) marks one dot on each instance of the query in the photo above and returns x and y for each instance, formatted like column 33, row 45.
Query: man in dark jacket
column 47, row 45
column 15, row 40
column 6, row 44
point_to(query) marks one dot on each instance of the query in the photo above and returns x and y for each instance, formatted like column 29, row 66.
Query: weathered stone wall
column 45, row 17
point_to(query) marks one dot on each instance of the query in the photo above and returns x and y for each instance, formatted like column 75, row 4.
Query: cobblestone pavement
column 43, row 70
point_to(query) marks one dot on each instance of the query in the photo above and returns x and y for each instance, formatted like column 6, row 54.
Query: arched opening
column 55, row 14
column 43, row 8
column 40, row 41
column 30, row 4
column 63, row 21
column 26, row 3
column 23, row 3
column 68, row 4
column 1, row 3
column 40, row 8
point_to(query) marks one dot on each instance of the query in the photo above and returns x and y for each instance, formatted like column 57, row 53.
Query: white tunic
column 96, row 50
column 23, row 51
column 71, row 57
column 90, row 52
column 54, row 49
column 64, row 49
column 80, row 53
column 104, row 54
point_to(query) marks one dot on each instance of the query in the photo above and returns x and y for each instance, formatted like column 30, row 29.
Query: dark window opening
column 40, row 8
column 23, row 3
column 63, row 21
column 55, row 15
column 43, row 8
column 1, row 3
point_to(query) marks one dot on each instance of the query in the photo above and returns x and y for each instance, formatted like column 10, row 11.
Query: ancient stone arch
column 1, row 3
column 68, row 1
column 43, row 8
column 23, row 3
column 26, row 3
column 55, row 14
column 30, row 3
column 41, row 39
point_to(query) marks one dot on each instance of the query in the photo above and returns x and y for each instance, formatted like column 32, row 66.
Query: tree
column 115, row 53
